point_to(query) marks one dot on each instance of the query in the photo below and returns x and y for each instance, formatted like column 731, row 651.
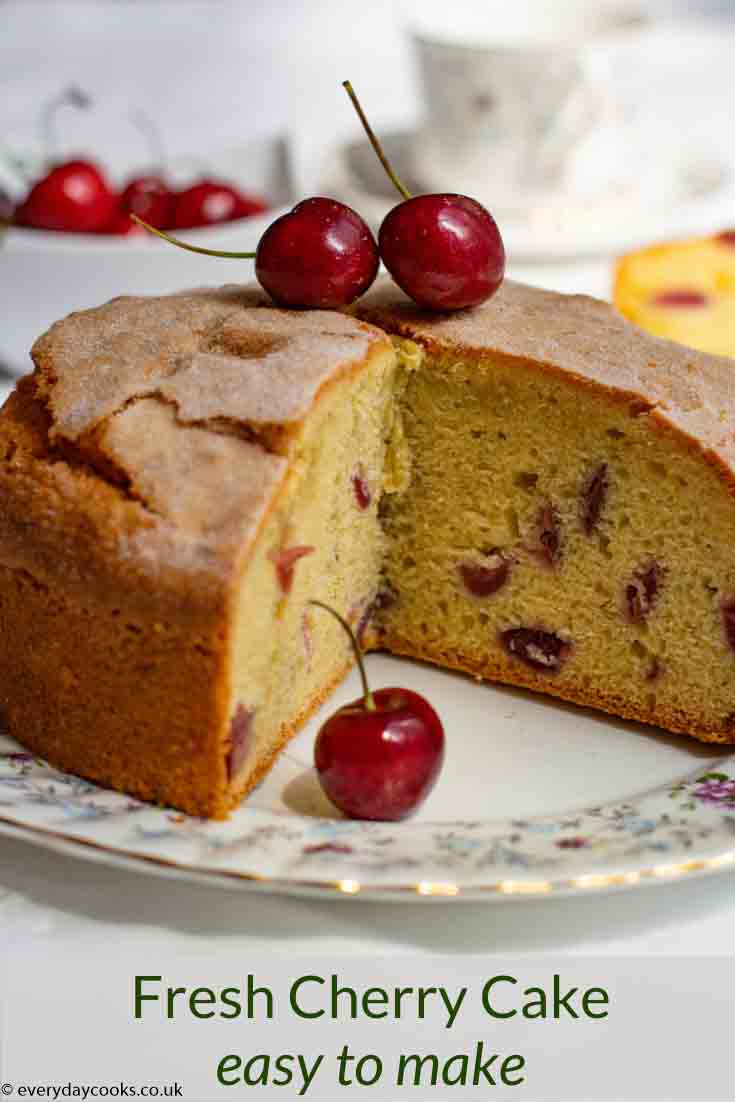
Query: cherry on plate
column 379, row 757
column 72, row 196
column 320, row 255
column 445, row 251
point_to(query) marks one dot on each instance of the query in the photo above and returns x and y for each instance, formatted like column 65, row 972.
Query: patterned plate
column 535, row 797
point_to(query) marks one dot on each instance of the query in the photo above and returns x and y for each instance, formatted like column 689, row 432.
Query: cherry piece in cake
column 593, row 498
column 681, row 298
column 642, row 591
column 361, row 487
column 541, row 650
column 241, row 738
column 284, row 559
column 482, row 579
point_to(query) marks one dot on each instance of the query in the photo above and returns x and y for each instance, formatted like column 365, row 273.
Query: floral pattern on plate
column 687, row 826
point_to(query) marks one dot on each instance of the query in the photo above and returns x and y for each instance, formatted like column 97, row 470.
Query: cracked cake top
column 189, row 400
column 157, row 430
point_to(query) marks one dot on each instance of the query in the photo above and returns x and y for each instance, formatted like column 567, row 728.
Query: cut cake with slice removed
column 533, row 491
column 570, row 522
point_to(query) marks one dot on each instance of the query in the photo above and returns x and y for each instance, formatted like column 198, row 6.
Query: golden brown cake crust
column 140, row 462
column 176, row 397
column 589, row 343
column 97, row 645
column 127, row 524
column 590, row 696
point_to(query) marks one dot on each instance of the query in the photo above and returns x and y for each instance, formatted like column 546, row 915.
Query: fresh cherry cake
column 532, row 491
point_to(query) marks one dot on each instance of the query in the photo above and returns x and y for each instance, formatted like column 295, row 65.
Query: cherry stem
column 71, row 97
column 191, row 248
column 151, row 135
column 394, row 179
column 367, row 695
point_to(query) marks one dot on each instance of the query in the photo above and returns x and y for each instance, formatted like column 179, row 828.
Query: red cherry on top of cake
column 445, row 251
column 379, row 757
column 320, row 255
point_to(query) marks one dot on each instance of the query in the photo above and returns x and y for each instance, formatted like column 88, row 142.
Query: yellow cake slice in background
column 683, row 290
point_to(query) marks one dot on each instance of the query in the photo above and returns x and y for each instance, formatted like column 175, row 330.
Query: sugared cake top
column 162, row 426
column 214, row 355
column 583, row 338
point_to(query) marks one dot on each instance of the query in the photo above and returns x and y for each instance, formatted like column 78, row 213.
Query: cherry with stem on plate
column 378, row 757
column 320, row 255
column 445, row 250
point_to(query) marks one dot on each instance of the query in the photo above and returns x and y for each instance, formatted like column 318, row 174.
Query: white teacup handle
column 589, row 102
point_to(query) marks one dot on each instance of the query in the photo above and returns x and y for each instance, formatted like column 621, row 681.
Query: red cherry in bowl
column 210, row 202
column 73, row 196
column 379, row 757
column 445, row 251
column 150, row 198
column 121, row 225
column 321, row 255
column 249, row 205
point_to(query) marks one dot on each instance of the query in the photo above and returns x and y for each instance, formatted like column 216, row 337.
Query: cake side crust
column 589, row 696
column 144, row 698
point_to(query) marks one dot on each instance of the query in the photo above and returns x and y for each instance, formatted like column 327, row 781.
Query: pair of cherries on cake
column 378, row 757
column 445, row 251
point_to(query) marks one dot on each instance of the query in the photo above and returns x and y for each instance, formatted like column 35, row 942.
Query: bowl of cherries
column 69, row 240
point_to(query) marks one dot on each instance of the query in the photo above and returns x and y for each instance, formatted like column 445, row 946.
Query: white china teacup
column 511, row 89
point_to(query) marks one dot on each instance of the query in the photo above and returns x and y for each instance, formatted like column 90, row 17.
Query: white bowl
column 44, row 276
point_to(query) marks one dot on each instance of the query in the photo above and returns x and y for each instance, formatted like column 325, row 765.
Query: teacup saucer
column 640, row 199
